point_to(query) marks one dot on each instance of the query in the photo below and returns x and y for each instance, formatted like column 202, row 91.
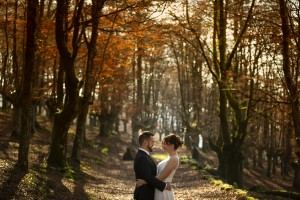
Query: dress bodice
column 162, row 165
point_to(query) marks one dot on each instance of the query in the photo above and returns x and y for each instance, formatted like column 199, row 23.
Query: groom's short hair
column 145, row 136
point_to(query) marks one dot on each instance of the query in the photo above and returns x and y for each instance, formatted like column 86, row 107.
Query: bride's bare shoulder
column 174, row 158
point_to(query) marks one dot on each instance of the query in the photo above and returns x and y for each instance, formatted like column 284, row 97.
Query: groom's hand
column 168, row 186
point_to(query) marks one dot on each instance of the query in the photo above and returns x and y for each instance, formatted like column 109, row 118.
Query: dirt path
column 190, row 185
column 119, row 183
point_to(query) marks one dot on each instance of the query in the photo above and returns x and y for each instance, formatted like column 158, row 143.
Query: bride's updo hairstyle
column 173, row 139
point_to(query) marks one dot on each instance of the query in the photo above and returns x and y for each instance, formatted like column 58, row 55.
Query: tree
column 11, row 71
column 291, row 76
column 26, row 94
column 234, row 109
column 89, row 80
column 63, row 119
column 231, row 138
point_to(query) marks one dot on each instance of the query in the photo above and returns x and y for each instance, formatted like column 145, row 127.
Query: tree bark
column 81, row 119
column 16, row 132
column 106, row 119
column 288, row 153
column 233, row 159
column 58, row 148
column 63, row 119
column 138, row 101
column 14, row 98
column 232, row 135
column 5, row 54
column 291, row 86
column 26, row 93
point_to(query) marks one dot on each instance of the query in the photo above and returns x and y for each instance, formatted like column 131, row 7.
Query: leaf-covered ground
column 102, row 173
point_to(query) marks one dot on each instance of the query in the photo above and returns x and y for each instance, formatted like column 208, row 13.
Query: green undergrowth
column 71, row 174
column 210, row 173
column 159, row 156
column 228, row 187
column 184, row 158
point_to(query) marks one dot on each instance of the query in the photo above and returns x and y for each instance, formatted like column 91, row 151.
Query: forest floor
column 102, row 174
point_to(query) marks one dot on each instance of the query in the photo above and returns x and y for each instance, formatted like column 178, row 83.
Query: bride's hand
column 140, row 182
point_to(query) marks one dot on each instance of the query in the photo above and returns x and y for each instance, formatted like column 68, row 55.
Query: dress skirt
column 164, row 195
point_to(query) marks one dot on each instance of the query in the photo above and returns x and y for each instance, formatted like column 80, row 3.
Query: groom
column 145, row 168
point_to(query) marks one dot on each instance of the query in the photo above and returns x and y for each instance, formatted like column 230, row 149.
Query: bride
column 166, row 168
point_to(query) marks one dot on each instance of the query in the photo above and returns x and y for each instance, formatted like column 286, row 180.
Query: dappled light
column 81, row 81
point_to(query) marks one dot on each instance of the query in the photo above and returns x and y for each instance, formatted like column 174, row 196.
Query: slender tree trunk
column 26, row 94
column 106, row 122
column 287, row 156
column 260, row 157
column 274, row 165
column 269, row 164
column 81, row 119
column 254, row 159
column 137, row 115
column 15, row 97
column 135, row 134
column 291, row 85
column 80, row 135
column 60, row 86
column 273, row 142
column 5, row 55
column 16, row 129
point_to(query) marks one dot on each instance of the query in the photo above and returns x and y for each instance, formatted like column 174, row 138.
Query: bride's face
column 167, row 147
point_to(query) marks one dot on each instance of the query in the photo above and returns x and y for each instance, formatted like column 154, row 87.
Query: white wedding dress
column 166, row 194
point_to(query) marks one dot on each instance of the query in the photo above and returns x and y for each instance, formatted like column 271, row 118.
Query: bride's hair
column 173, row 139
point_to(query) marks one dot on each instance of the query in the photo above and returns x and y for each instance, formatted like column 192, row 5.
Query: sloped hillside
column 102, row 173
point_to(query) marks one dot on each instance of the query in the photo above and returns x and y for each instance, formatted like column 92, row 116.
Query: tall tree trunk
column 15, row 96
column 60, row 86
column 26, row 94
column 63, row 119
column 254, row 159
column 58, row 149
column 16, row 129
column 233, row 159
column 81, row 119
column 4, row 55
column 269, row 164
column 260, row 157
column 106, row 122
column 138, row 102
column 80, row 132
column 273, row 148
column 288, row 153
column 291, row 85
column 232, row 118
column 135, row 134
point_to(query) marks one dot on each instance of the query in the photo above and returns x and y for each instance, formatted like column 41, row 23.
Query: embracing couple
column 154, row 182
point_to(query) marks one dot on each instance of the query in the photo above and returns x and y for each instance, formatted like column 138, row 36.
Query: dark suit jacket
column 145, row 168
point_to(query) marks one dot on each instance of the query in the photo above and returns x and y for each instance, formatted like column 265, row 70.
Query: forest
column 221, row 73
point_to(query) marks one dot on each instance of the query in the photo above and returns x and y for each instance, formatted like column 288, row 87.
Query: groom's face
column 150, row 144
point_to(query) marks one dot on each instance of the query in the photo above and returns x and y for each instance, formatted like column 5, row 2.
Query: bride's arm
column 171, row 165
column 140, row 182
